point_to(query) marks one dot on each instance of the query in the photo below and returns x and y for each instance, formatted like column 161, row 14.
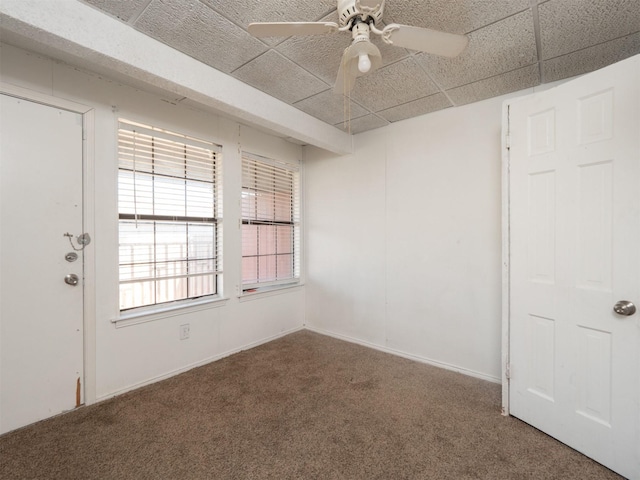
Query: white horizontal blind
column 169, row 204
column 270, row 222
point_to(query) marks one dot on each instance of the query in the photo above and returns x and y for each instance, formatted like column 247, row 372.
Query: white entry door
column 575, row 252
column 41, row 316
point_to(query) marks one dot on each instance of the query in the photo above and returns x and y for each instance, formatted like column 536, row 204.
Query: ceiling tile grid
column 513, row 44
column 500, row 47
column 570, row 25
column 121, row 10
column 196, row 30
column 461, row 16
column 513, row 81
column 286, row 81
column 242, row 13
column 331, row 108
column 591, row 58
column 421, row 106
column 400, row 82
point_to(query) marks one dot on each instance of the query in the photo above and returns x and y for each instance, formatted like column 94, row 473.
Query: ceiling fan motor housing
column 360, row 31
column 348, row 9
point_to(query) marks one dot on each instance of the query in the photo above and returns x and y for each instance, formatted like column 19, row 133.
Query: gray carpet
column 305, row 406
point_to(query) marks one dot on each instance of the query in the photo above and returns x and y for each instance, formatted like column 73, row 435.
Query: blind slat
column 270, row 222
column 169, row 199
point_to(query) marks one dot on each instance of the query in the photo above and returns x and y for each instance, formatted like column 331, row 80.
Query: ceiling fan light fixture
column 350, row 65
column 364, row 63
column 360, row 17
column 364, row 57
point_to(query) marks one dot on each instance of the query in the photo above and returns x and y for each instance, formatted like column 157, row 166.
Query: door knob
column 624, row 307
column 71, row 279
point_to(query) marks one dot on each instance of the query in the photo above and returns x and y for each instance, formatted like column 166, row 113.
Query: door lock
column 71, row 279
column 82, row 239
column 624, row 307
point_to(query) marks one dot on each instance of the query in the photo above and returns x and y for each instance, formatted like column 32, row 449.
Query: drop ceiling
column 513, row 45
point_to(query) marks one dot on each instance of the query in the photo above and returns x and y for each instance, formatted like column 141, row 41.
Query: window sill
column 159, row 312
column 263, row 292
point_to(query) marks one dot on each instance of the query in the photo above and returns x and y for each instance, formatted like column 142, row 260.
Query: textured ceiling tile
column 362, row 124
column 421, row 106
column 577, row 36
column 329, row 107
column 196, row 30
column 495, row 49
column 394, row 84
column 118, row 8
column 569, row 25
column 246, row 11
column 461, row 16
column 321, row 54
column 590, row 59
column 495, row 86
column 279, row 77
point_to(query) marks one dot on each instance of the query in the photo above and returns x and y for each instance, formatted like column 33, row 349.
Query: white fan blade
column 425, row 40
column 286, row 29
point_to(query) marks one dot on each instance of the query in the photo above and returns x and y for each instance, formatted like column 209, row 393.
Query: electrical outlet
column 184, row 331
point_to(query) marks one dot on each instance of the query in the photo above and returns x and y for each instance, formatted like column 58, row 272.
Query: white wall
column 403, row 239
column 129, row 356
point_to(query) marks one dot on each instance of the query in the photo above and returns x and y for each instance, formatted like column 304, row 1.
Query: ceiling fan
column 361, row 57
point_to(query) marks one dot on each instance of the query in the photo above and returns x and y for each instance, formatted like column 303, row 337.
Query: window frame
column 155, row 133
column 295, row 169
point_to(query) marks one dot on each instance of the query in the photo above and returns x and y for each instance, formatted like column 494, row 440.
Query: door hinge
column 508, row 141
column 507, row 371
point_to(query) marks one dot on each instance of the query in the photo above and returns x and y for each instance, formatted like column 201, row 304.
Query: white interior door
column 575, row 251
column 41, row 316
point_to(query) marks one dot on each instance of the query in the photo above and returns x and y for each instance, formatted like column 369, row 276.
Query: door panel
column 41, row 317
column 574, row 218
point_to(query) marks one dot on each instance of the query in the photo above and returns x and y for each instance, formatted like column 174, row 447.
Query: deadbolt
column 84, row 239
column 71, row 279
column 624, row 307
column 71, row 257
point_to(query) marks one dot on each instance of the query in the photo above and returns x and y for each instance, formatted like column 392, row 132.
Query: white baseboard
column 399, row 353
column 199, row 363
column 262, row 341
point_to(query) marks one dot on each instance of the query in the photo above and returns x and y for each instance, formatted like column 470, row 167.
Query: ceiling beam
column 89, row 39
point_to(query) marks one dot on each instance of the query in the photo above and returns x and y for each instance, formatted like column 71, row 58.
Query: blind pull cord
column 135, row 194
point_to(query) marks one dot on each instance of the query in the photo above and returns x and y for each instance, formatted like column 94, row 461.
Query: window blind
column 270, row 222
column 169, row 203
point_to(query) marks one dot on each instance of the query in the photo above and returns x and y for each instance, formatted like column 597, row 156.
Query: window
column 169, row 204
column 270, row 223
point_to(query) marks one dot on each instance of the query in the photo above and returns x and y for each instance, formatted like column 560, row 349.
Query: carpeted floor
column 305, row 406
